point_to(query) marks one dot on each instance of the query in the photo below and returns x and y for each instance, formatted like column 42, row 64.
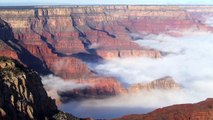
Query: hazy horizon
column 103, row 2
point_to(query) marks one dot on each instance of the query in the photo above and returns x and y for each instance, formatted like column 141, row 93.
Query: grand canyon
column 105, row 62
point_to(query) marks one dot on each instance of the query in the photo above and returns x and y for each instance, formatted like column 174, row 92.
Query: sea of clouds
column 188, row 59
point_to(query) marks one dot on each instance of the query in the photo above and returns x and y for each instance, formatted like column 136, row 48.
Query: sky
column 98, row 2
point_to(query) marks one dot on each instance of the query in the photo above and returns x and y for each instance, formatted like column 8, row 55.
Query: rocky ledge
column 22, row 96
column 199, row 111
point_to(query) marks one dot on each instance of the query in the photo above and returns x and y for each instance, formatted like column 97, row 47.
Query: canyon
column 62, row 41
column 59, row 40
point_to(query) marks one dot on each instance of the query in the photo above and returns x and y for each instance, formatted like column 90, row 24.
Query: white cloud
column 209, row 21
column 190, row 58
column 126, row 104
column 58, row 84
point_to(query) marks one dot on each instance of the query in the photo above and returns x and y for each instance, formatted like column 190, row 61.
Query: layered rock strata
column 22, row 96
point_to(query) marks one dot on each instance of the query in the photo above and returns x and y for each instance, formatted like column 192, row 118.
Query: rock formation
column 199, row 111
column 166, row 83
column 22, row 96
column 101, row 87
column 98, row 87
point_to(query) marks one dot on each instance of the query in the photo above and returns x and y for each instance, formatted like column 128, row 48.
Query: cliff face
column 199, row 111
column 22, row 96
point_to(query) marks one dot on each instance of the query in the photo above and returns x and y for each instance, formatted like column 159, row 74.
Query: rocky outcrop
column 5, row 50
column 166, row 83
column 199, row 111
column 97, row 87
column 22, row 96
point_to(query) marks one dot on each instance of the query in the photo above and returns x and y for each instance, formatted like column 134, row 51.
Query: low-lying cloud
column 189, row 60
column 58, row 84
column 54, row 85
column 208, row 21
column 124, row 104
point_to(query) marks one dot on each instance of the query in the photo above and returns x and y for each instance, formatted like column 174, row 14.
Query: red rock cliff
column 199, row 111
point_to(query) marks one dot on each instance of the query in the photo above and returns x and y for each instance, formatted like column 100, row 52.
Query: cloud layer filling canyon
column 188, row 59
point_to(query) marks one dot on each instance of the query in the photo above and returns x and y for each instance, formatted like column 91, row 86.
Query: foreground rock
column 199, row 111
column 22, row 96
